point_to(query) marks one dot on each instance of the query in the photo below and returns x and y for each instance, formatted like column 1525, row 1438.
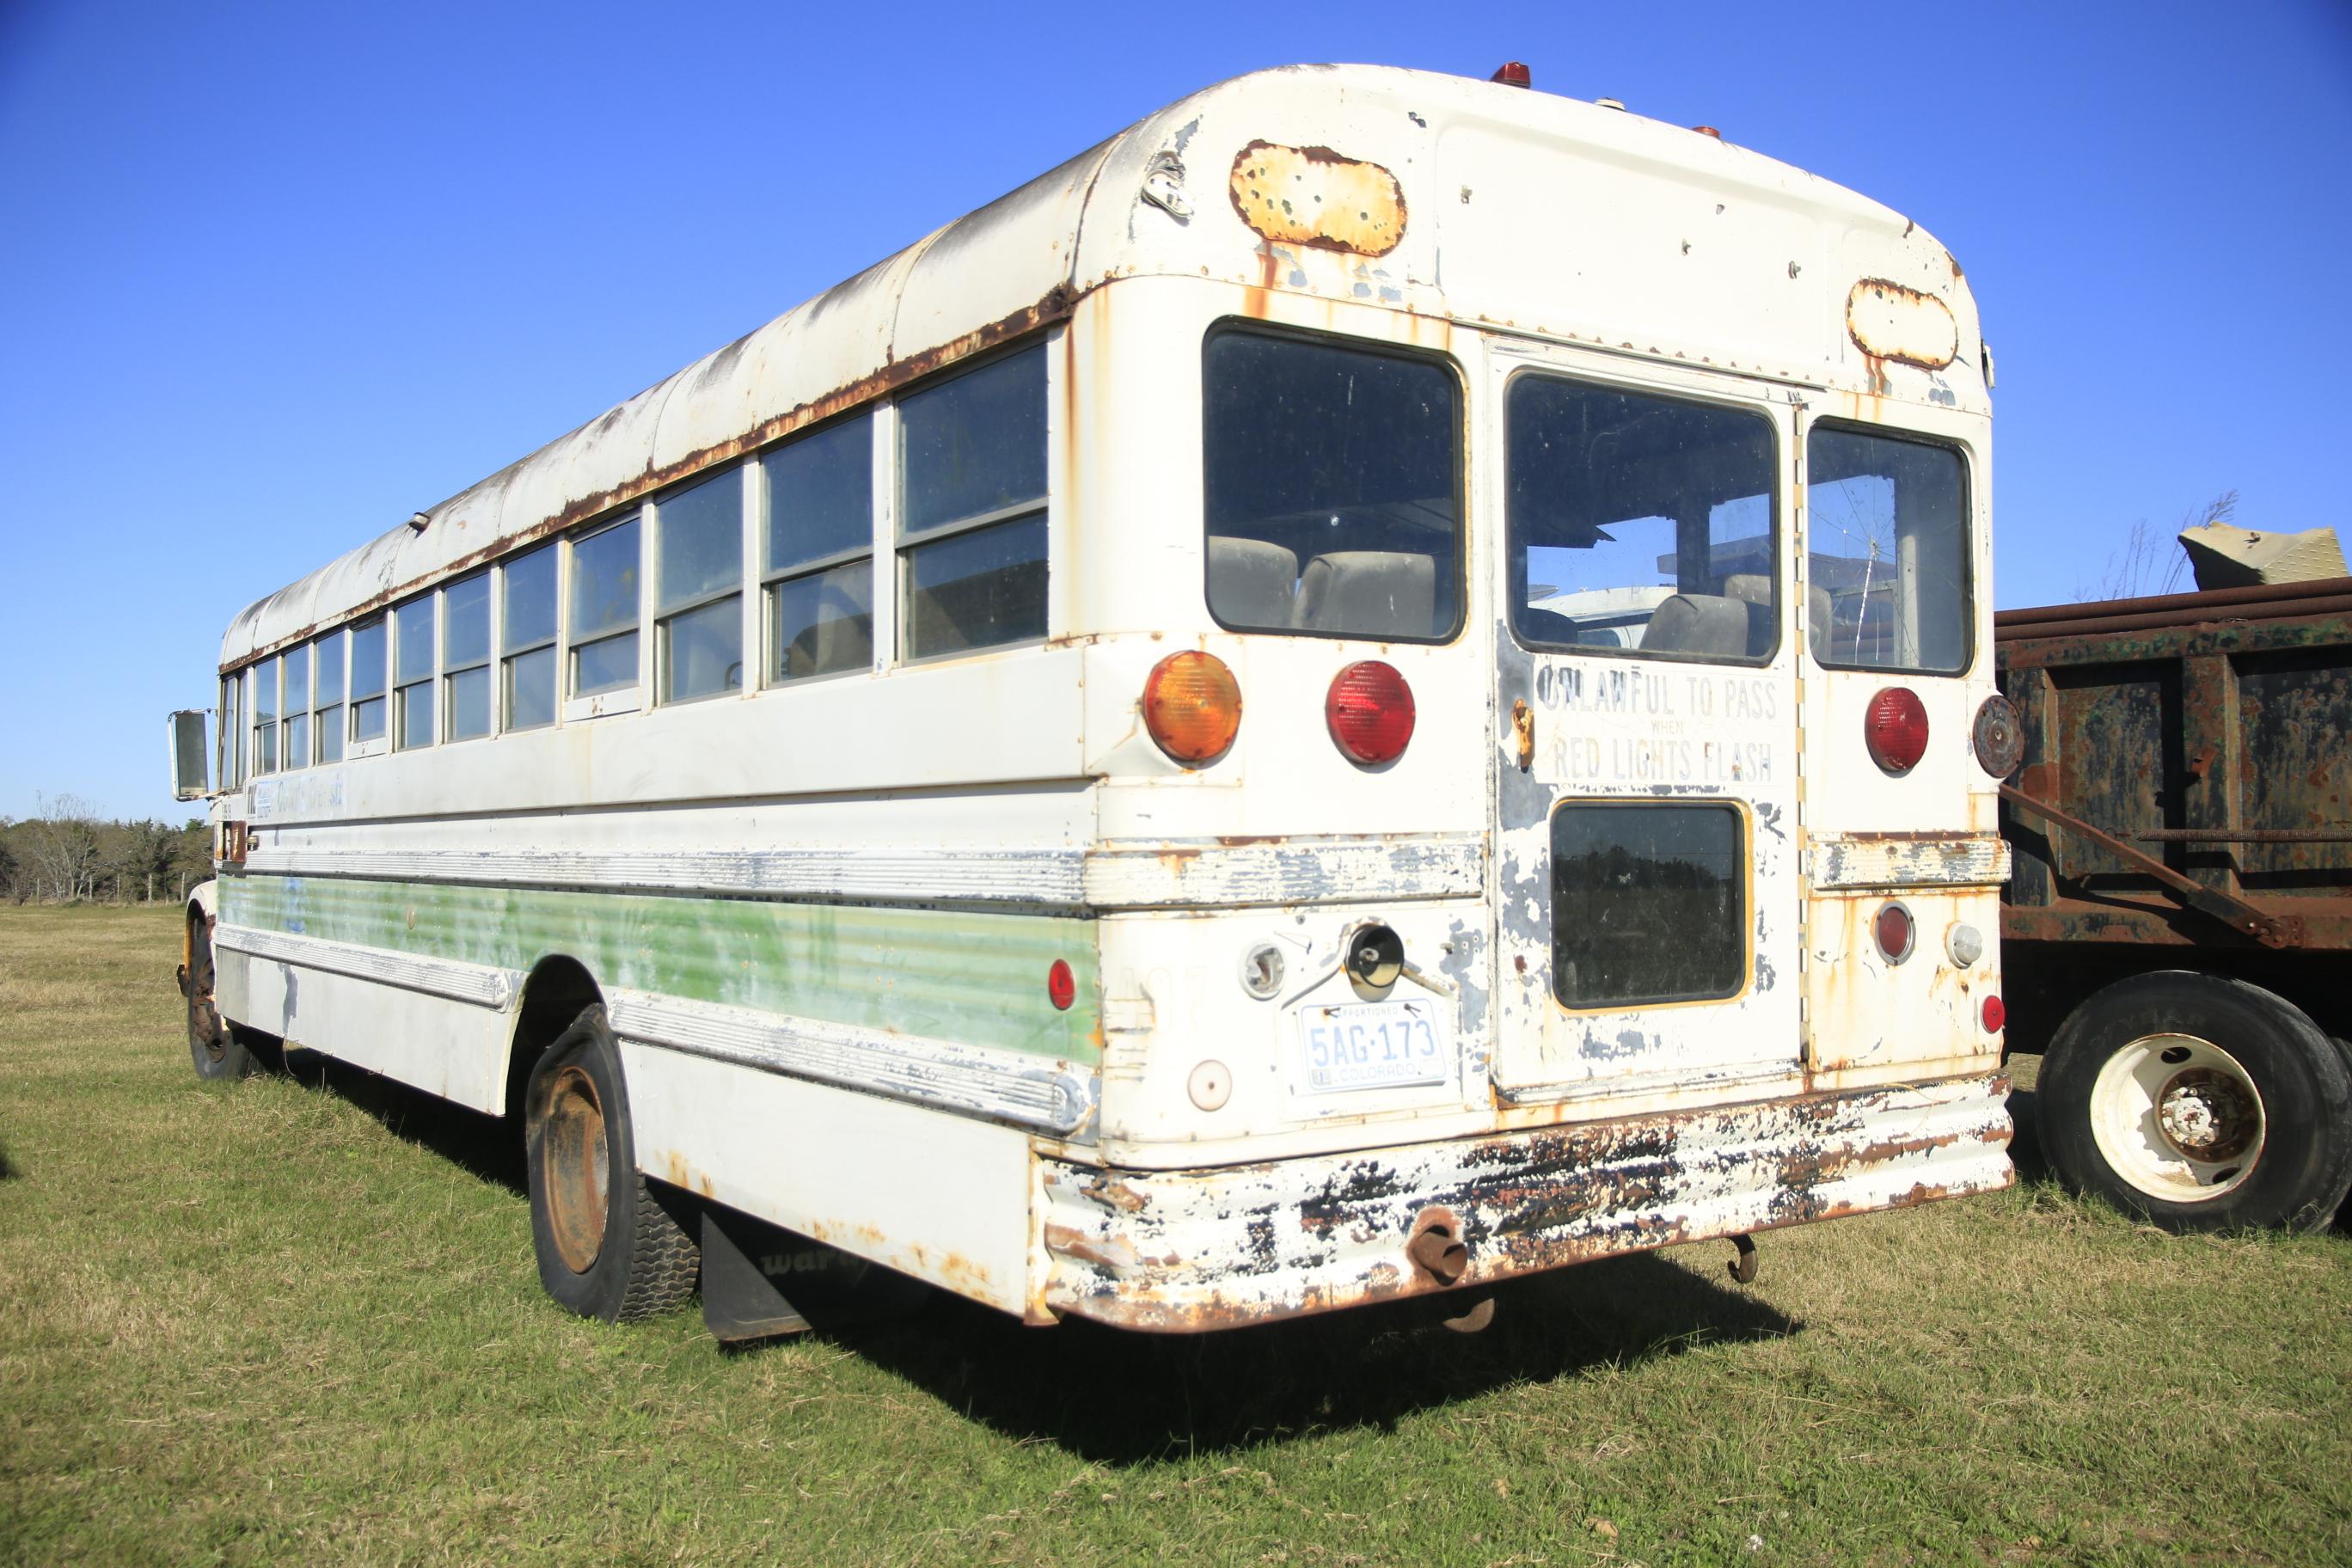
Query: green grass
column 296, row 1319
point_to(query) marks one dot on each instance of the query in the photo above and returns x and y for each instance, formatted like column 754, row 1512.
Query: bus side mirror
column 191, row 765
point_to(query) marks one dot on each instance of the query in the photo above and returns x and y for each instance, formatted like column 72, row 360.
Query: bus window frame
column 446, row 704
column 1782, row 531
column 1045, row 508
column 657, row 616
column 504, row 654
column 355, row 746
column 1351, row 342
column 1965, row 454
column 630, row 699
column 881, row 417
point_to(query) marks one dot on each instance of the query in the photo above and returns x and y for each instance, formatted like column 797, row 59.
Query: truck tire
column 2200, row 1102
column 607, row 1247
column 217, row 1048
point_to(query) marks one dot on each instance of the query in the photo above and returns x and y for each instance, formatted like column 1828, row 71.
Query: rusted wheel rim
column 205, row 1031
column 576, row 1168
column 2178, row 1118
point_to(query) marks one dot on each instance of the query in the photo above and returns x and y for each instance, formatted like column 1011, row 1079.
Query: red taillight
column 1895, row 933
column 1370, row 710
column 1061, row 985
column 1996, row 1016
column 1896, row 727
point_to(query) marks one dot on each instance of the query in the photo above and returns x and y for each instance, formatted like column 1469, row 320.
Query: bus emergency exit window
column 1649, row 904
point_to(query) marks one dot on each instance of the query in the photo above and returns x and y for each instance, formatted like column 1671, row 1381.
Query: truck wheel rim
column 577, row 1165
column 2178, row 1118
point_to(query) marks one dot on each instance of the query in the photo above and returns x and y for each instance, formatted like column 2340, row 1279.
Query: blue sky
column 274, row 277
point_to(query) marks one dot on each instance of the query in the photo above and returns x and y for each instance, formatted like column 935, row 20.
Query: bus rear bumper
column 1186, row 1251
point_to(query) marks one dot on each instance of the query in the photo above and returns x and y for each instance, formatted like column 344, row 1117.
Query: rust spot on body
column 1316, row 197
column 1889, row 320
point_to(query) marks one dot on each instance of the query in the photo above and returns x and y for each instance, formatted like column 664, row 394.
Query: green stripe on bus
column 978, row 978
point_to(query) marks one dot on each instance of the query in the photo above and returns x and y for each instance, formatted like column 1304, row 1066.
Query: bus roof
column 1472, row 201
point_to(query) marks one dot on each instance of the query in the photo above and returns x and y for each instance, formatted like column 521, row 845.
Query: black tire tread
column 664, row 1262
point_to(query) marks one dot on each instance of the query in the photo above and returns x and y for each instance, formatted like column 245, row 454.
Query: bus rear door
column 1646, row 855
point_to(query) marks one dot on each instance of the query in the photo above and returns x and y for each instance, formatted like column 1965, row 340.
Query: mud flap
column 749, row 1265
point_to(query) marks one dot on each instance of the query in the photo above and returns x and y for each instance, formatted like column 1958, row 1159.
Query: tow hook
column 1743, row 1268
column 1437, row 1248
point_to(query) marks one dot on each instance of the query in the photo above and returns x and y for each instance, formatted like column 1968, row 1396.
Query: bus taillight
column 1192, row 706
column 1370, row 710
column 1896, row 728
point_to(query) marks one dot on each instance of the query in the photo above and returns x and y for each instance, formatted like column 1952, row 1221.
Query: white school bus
column 1380, row 683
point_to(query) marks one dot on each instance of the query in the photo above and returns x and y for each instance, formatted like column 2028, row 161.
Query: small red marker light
column 1061, row 985
column 1895, row 729
column 1370, row 710
column 1995, row 1015
column 1895, row 933
column 1512, row 74
column 1708, row 130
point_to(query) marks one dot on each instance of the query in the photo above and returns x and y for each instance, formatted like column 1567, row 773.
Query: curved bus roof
column 1488, row 204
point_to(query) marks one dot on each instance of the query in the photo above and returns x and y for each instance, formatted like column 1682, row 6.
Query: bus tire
column 607, row 1247
column 217, row 1048
column 2200, row 1102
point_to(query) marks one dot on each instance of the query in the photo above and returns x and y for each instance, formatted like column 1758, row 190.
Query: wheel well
column 558, row 991
column 2043, row 982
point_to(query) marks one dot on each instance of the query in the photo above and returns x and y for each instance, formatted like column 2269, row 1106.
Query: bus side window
column 698, row 589
column 818, row 544
column 603, row 619
column 294, row 729
column 232, row 731
column 367, row 685
column 971, row 509
column 265, row 717
column 327, row 716
column 413, row 635
column 527, row 639
column 466, row 656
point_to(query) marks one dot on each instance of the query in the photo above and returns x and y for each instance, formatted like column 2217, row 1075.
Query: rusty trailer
column 2178, row 915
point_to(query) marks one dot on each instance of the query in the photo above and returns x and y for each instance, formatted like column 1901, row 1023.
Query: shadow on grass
column 2025, row 1148
column 1119, row 1398
column 487, row 1146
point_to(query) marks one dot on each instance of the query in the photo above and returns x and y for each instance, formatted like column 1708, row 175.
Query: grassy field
column 296, row 1319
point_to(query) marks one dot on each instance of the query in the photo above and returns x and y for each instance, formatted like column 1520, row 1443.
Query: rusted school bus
column 1372, row 686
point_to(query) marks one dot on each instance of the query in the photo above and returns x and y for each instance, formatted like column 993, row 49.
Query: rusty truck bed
column 2185, row 781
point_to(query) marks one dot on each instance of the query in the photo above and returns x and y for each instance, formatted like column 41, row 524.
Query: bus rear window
column 1886, row 544
column 1332, row 490
column 1641, row 525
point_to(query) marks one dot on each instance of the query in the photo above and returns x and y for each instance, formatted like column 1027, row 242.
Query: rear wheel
column 213, row 1044
column 2204, row 1103
column 608, row 1248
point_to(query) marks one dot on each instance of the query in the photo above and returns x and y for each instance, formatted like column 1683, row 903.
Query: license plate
column 1373, row 1045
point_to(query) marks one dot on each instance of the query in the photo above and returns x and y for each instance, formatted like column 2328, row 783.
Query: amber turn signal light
column 1192, row 706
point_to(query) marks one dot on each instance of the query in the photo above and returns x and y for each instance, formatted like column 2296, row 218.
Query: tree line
column 65, row 853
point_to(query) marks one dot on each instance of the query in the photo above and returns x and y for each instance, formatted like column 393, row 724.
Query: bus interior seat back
column 838, row 640
column 1369, row 593
column 1755, row 589
column 1251, row 583
column 1706, row 624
